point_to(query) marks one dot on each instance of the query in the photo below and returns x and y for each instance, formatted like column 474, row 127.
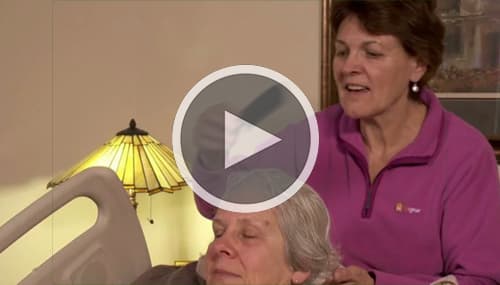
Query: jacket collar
column 420, row 151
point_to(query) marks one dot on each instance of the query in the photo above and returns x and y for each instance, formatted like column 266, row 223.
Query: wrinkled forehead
column 265, row 218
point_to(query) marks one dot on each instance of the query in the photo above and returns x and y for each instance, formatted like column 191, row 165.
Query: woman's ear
column 419, row 68
column 299, row 277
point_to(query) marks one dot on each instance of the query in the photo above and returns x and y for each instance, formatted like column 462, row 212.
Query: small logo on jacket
column 402, row 208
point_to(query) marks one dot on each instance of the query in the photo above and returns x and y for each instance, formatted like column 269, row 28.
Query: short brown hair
column 413, row 22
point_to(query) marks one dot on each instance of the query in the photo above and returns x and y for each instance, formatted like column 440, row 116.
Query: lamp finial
column 132, row 130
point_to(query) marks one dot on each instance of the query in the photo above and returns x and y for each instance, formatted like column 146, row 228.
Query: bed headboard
column 112, row 251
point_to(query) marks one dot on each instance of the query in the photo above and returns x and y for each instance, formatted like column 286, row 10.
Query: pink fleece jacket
column 433, row 211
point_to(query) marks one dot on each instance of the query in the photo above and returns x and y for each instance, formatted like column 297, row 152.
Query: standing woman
column 412, row 189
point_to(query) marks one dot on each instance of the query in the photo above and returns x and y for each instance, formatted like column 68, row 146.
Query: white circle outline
column 311, row 120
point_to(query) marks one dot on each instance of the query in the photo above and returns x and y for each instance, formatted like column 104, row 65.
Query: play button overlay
column 245, row 138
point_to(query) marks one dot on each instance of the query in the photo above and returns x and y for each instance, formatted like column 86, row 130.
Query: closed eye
column 249, row 233
column 218, row 230
column 373, row 54
column 218, row 234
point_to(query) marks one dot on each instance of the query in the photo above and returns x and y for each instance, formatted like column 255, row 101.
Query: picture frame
column 468, row 81
column 328, row 91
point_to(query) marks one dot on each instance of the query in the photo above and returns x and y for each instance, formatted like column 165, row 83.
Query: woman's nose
column 224, row 245
column 351, row 64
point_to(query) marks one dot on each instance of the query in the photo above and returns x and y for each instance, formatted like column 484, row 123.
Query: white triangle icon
column 242, row 139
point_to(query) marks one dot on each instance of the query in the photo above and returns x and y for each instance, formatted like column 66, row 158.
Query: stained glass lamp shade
column 142, row 163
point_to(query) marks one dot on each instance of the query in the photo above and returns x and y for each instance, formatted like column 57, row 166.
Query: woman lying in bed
column 288, row 244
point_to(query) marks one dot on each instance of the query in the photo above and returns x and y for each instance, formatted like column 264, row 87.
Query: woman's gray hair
column 305, row 224
column 303, row 220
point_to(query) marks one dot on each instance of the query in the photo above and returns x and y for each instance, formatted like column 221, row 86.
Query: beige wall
column 73, row 73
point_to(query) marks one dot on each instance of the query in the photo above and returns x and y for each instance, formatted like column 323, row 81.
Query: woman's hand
column 352, row 275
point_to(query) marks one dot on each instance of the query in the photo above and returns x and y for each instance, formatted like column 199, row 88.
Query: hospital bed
column 112, row 251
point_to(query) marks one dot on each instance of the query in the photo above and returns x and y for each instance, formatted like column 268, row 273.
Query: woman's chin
column 354, row 113
column 358, row 110
column 222, row 279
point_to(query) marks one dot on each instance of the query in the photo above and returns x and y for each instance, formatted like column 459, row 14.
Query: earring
column 414, row 87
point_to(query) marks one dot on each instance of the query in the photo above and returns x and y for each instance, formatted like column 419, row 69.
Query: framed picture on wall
column 468, row 81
